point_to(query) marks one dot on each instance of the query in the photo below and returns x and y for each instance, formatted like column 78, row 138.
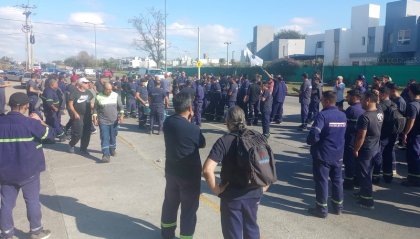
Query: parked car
column 90, row 72
column 151, row 71
column 13, row 75
column 25, row 78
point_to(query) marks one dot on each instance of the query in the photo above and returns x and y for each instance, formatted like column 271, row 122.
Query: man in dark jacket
column 279, row 95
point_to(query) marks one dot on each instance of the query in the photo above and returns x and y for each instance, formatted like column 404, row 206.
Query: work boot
column 106, row 158
column 41, row 234
column 112, row 152
column 316, row 213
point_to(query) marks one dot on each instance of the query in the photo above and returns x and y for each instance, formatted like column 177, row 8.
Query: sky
column 60, row 29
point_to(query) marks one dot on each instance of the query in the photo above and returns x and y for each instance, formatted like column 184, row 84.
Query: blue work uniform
column 33, row 98
column 21, row 162
column 413, row 143
column 2, row 98
column 224, row 85
column 315, row 100
column 53, row 118
column 156, row 101
column 232, row 94
column 198, row 103
column 216, row 97
column 326, row 138
column 254, row 93
column 266, row 104
column 279, row 95
column 131, row 99
column 304, row 100
column 353, row 113
column 243, row 89
column 142, row 109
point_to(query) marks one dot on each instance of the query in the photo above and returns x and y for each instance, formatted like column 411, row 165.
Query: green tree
column 222, row 61
column 289, row 34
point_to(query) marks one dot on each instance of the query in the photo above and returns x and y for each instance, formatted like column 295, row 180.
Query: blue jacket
column 326, row 136
column 305, row 92
column 199, row 92
column 21, row 154
column 279, row 91
column 50, row 98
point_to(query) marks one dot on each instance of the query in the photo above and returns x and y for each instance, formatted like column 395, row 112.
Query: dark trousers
column 313, row 111
column 108, row 134
column 239, row 218
column 277, row 113
column 9, row 193
column 131, row 106
column 243, row 106
column 304, row 109
column 123, row 97
column 142, row 115
column 265, row 122
column 389, row 162
column 53, row 120
column 220, row 110
column 231, row 104
column 198, row 107
column 81, row 130
column 182, row 192
column 322, row 171
column 378, row 159
column 2, row 103
column 70, row 122
column 253, row 111
column 364, row 173
column 156, row 114
column 413, row 158
column 350, row 178
column 214, row 103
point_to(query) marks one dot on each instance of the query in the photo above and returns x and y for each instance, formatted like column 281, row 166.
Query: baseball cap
column 83, row 80
column 340, row 77
column 18, row 99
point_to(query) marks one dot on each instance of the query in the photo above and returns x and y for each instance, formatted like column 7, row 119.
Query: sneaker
column 365, row 206
column 94, row 131
column 112, row 152
column 84, row 152
column 62, row 139
column 71, row 149
column 106, row 158
column 314, row 212
column 336, row 211
column 41, row 234
column 266, row 135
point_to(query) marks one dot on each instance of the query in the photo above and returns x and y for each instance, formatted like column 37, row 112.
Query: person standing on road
column 253, row 99
column 315, row 99
column 339, row 90
column 33, row 92
column 238, row 204
column 81, row 104
column 142, row 96
column 215, row 97
column 243, row 89
column 166, row 85
column 326, row 138
column 158, row 102
column 353, row 112
column 52, row 109
column 182, row 169
column 266, row 105
column 279, row 95
column 304, row 100
column 359, row 86
column 107, row 113
column 232, row 92
column 198, row 102
column 411, row 137
column 366, row 146
column 3, row 86
column 21, row 162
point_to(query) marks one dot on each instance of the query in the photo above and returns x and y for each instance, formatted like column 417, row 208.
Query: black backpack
column 394, row 120
column 254, row 160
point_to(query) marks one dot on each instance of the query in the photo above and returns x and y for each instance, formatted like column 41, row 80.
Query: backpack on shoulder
column 255, row 157
column 395, row 120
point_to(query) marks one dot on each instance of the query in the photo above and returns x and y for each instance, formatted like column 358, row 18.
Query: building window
column 363, row 41
column 404, row 37
column 371, row 40
column 319, row 44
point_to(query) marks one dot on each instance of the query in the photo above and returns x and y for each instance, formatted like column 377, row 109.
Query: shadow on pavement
column 100, row 223
column 295, row 193
column 63, row 147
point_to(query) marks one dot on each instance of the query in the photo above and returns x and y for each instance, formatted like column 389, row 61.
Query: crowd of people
column 361, row 136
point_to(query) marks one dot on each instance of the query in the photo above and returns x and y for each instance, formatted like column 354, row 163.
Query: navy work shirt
column 233, row 91
column 157, row 97
column 20, row 147
column 182, row 143
column 50, row 98
column 413, row 112
column 326, row 136
column 305, row 92
column 353, row 113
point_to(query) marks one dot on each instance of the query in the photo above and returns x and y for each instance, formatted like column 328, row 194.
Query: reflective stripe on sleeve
column 46, row 133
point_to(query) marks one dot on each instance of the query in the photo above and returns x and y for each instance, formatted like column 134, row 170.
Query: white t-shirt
column 339, row 90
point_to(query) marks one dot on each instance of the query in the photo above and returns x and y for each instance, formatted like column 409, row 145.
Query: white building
column 137, row 62
column 283, row 48
column 359, row 45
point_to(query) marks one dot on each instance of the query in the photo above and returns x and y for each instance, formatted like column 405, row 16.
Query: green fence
column 399, row 74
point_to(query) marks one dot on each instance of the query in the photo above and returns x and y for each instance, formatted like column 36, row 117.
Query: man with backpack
column 248, row 169
column 392, row 126
column 326, row 138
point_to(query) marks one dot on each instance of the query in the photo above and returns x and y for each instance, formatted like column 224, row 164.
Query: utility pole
column 199, row 53
column 166, row 45
column 94, row 29
column 27, row 29
column 227, row 52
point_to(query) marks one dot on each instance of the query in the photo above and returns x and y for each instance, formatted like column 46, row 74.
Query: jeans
column 108, row 134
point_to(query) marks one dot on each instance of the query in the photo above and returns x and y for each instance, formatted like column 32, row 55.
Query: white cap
column 339, row 77
column 83, row 80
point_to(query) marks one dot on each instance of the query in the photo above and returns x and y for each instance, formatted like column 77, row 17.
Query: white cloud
column 83, row 17
column 305, row 21
column 301, row 24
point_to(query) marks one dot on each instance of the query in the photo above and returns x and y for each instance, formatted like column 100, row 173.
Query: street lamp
column 227, row 52
column 94, row 28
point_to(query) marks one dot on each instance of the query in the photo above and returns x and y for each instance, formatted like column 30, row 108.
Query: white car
column 25, row 78
column 152, row 72
column 13, row 75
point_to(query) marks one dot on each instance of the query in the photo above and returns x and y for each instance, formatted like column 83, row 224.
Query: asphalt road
column 84, row 199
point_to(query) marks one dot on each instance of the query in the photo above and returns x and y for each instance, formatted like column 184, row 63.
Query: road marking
column 208, row 202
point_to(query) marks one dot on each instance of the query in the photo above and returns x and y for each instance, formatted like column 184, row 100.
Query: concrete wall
column 363, row 17
column 283, row 48
column 263, row 36
column 311, row 44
